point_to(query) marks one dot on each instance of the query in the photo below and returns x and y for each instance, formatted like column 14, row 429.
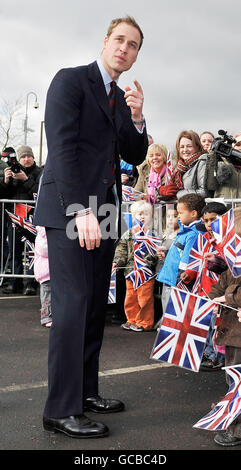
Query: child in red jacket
column 212, row 360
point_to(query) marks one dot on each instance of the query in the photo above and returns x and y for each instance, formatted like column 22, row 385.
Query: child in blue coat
column 189, row 208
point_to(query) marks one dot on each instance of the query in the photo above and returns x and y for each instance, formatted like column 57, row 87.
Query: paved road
column 162, row 402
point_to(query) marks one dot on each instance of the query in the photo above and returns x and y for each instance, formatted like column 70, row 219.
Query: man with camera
column 21, row 180
column 224, row 166
column 3, row 223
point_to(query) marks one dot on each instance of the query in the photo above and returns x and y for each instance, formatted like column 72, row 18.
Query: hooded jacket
column 178, row 255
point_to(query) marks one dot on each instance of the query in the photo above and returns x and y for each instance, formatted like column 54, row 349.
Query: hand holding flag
column 229, row 408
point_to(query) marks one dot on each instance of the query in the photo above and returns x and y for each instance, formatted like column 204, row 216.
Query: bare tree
column 11, row 118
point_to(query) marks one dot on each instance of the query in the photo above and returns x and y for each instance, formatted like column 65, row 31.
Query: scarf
column 154, row 182
column 182, row 167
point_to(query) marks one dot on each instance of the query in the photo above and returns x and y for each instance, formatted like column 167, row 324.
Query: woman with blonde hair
column 152, row 171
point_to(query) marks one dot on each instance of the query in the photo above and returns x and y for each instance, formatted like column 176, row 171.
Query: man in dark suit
column 86, row 131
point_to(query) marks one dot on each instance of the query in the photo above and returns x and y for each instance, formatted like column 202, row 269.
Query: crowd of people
column 194, row 177
column 91, row 126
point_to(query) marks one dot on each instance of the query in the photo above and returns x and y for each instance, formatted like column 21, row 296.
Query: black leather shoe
column 76, row 426
column 227, row 439
column 103, row 405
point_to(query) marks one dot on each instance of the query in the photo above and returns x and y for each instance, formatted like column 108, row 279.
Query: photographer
column 224, row 171
column 21, row 181
column 3, row 225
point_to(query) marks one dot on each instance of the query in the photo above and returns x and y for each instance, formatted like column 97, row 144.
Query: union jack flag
column 112, row 289
column 228, row 242
column 144, row 242
column 184, row 329
column 129, row 194
column 222, row 226
column 229, row 408
column 200, row 247
column 169, row 168
column 22, row 209
column 23, row 222
column 197, row 261
column 182, row 286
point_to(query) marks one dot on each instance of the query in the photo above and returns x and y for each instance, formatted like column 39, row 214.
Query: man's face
column 27, row 161
column 120, row 49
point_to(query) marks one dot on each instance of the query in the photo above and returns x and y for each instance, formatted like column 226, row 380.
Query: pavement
column 163, row 402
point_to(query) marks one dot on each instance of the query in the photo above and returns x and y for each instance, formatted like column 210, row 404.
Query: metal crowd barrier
column 7, row 248
column 7, row 262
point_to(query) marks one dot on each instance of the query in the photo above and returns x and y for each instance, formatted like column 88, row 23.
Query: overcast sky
column 189, row 65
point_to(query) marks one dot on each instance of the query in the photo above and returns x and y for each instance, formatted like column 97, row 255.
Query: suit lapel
column 98, row 87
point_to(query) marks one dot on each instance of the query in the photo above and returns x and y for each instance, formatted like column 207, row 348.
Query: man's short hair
column 193, row 202
column 216, row 207
column 126, row 19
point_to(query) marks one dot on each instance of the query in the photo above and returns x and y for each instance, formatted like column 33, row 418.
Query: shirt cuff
column 80, row 213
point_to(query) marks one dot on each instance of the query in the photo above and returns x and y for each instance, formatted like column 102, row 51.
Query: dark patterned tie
column 111, row 97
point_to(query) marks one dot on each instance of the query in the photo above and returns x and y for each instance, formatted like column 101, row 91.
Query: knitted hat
column 25, row 150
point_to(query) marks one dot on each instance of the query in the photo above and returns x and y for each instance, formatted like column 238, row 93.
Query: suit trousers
column 79, row 293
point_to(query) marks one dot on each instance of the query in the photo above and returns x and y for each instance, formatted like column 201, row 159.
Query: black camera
column 12, row 162
column 223, row 147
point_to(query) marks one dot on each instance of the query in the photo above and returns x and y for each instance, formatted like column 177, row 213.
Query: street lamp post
column 36, row 105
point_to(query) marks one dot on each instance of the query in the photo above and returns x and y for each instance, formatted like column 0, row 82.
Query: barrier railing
column 12, row 240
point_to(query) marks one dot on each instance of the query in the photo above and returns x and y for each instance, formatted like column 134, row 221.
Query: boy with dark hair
column 210, row 212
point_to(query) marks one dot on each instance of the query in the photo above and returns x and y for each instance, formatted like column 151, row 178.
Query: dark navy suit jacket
column 82, row 141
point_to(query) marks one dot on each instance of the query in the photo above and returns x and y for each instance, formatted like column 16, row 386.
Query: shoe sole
column 233, row 444
column 103, row 412
column 210, row 369
column 54, row 430
column 137, row 331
